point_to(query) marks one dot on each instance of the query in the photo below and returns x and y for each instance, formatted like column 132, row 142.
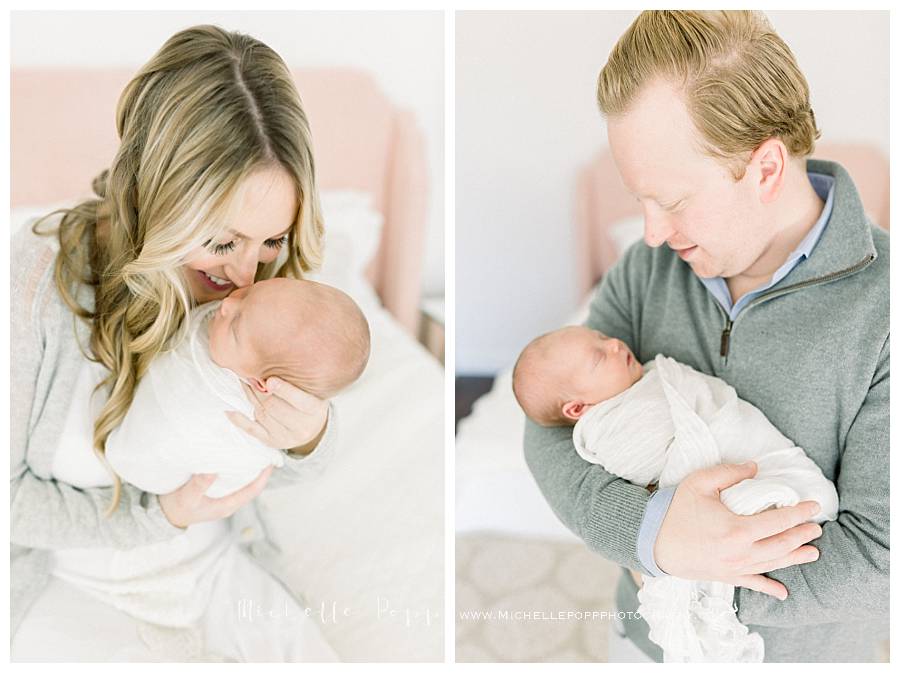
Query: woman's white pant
column 251, row 618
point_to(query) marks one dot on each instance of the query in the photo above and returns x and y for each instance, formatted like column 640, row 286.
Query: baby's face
column 231, row 331
column 599, row 367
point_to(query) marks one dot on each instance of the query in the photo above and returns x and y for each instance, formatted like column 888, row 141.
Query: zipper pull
column 726, row 333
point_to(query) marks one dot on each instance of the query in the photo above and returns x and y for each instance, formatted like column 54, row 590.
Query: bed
column 494, row 489
column 371, row 542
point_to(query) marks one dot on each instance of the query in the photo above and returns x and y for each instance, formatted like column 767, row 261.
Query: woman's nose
column 243, row 272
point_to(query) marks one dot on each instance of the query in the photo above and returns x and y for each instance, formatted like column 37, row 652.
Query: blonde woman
column 212, row 188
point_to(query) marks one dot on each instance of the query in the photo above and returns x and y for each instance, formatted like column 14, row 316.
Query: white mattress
column 367, row 537
column 495, row 491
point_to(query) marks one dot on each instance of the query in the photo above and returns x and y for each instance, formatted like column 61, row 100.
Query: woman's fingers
column 294, row 396
column 234, row 501
column 200, row 483
column 276, row 410
column 762, row 584
column 252, row 428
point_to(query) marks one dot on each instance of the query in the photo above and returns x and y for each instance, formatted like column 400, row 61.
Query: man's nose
column 657, row 229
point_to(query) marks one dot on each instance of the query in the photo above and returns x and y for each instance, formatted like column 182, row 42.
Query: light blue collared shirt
column 658, row 504
column 824, row 186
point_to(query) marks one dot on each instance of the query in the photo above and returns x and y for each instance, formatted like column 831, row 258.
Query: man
column 760, row 268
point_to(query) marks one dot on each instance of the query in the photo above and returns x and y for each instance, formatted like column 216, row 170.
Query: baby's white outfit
column 176, row 425
column 676, row 420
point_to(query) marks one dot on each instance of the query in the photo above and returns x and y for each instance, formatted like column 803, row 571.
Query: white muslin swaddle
column 176, row 425
column 676, row 420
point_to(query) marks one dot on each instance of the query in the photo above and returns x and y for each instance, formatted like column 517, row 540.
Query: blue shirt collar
column 824, row 187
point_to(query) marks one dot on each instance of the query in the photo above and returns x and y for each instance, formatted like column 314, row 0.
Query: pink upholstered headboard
column 601, row 200
column 63, row 134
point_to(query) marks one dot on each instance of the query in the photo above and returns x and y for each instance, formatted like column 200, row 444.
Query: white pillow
column 352, row 234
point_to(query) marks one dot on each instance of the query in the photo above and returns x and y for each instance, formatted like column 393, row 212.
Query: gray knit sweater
column 46, row 514
column 812, row 353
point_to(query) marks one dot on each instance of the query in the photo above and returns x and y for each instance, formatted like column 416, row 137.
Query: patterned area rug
column 522, row 599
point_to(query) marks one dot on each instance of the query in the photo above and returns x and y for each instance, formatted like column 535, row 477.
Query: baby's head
column 561, row 375
column 309, row 334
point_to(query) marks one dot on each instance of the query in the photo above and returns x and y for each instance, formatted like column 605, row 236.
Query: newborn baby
column 308, row 334
column 657, row 424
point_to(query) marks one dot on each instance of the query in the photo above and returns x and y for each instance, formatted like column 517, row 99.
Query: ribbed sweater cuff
column 614, row 521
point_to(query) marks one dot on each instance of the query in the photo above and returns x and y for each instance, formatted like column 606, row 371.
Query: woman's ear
column 574, row 410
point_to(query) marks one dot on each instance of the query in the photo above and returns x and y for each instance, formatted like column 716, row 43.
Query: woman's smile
column 215, row 283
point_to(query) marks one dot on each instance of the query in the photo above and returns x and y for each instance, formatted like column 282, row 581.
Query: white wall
column 526, row 122
column 404, row 50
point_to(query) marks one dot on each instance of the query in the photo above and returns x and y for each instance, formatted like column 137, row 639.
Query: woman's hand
column 286, row 417
column 188, row 504
column 700, row 538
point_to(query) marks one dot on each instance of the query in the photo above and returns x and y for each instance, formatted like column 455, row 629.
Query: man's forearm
column 603, row 510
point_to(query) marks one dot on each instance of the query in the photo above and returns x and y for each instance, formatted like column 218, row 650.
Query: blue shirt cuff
column 657, row 506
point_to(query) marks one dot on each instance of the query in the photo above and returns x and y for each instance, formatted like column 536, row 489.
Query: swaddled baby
column 308, row 334
column 657, row 424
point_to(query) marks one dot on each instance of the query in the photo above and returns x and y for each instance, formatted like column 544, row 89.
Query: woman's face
column 264, row 218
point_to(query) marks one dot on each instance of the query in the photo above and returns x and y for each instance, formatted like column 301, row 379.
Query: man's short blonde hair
column 740, row 80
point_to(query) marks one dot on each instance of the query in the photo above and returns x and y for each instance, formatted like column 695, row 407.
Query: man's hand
column 700, row 538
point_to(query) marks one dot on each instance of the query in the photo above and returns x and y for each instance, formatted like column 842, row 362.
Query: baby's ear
column 259, row 385
column 574, row 410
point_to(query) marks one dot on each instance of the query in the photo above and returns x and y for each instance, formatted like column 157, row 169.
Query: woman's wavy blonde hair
column 742, row 84
column 210, row 108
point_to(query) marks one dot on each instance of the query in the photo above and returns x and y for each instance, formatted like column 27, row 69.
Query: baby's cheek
column 215, row 352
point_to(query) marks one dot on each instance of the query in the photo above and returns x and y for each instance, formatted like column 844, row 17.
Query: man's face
column 690, row 200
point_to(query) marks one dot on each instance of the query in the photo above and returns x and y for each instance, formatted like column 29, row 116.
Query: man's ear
column 258, row 384
column 574, row 410
column 772, row 159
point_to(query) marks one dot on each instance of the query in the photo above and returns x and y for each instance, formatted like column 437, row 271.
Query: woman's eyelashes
column 225, row 248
